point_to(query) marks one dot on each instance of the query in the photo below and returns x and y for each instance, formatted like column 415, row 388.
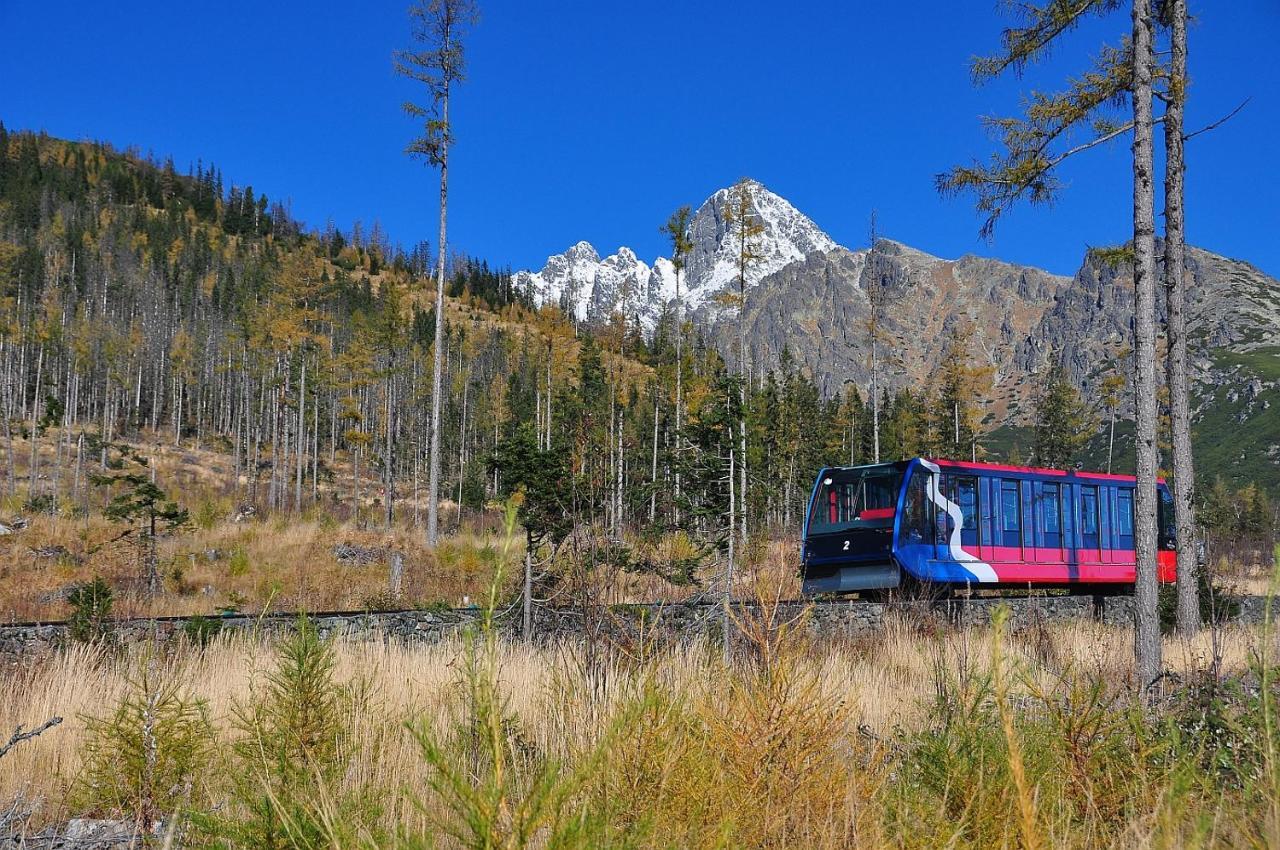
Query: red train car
column 955, row 523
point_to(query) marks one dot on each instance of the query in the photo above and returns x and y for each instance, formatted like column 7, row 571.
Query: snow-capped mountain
column 789, row 235
column 590, row 288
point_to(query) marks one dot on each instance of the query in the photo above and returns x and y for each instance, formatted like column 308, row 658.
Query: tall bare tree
column 1175, row 279
column 747, row 228
column 1146, row 637
column 439, row 27
column 677, row 230
column 875, row 294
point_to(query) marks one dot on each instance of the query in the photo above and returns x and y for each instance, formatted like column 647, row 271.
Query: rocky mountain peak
column 591, row 288
column 788, row 236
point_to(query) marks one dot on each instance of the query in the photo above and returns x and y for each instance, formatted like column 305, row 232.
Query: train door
column 1122, row 528
column 1089, row 523
column 1107, row 524
column 1048, row 520
column 989, row 518
column 1007, row 533
column 962, row 490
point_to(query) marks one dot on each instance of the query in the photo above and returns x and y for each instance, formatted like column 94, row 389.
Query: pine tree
column 1034, row 145
column 439, row 25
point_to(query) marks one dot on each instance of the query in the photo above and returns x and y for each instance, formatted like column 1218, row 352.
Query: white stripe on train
column 982, row 571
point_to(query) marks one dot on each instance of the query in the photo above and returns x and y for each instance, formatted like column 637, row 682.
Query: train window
column 1089, row 517
column 1168, row 528
column 915, row 525
column 1010, row 514
column 1050, row 515
column 963, row 490
column 855, row 498
column 1124, row 519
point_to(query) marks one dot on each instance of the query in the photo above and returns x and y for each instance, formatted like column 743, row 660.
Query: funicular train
column 948, row 524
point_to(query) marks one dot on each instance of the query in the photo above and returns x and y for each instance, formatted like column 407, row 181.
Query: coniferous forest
column 145, row 306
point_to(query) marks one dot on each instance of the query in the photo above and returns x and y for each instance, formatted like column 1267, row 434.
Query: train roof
column 978, row 466
column 1033, row 470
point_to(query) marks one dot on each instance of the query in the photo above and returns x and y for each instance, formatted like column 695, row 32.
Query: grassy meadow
column 912, row 737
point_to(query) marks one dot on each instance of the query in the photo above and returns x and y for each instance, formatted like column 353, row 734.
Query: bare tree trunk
column 395, row 576
column 417, row 445
column 75, row 488
column 10, row 473
column 315, row 448
column 526, row 625
column 617, row 480
column 679, row 386
column 462, row 449
column 33, row 469
column 1111, row 440
column 302, row 431
column 388, row 469
column 726, row 623
column 1188, row 620
column 433, row 476
column 653, row 469
column 876, row 295
column 1147, row 650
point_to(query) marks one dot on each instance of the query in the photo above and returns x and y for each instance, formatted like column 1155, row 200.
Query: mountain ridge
column 809, row 299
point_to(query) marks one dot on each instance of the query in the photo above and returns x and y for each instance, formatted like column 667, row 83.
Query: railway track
column 833, row 617
column 894, row 603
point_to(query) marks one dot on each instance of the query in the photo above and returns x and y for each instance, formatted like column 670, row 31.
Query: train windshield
column 855, row 498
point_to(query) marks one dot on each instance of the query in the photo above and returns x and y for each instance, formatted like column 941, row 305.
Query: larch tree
column 1112, row 390
column 1034, row 145
column 1147, row 649
column 439, row 26
column 963, row 387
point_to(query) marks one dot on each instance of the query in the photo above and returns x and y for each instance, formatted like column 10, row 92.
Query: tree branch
column 19, row 736
column 1216, row 124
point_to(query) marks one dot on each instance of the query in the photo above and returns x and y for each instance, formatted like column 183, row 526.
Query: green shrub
column 200, row 630
column 90, row 611
column 238, row 563
column 45, row 503
column 208, row 513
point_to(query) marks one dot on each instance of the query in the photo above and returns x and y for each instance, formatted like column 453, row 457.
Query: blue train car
column 951, row 523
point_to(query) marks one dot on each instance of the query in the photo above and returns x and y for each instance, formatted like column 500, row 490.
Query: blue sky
column 590, row 120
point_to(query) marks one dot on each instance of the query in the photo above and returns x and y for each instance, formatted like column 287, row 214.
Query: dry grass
column 284, row 564
column 884, row 684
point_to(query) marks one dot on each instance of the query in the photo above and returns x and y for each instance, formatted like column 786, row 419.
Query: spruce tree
column 1063, row 421
column 137, row 499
